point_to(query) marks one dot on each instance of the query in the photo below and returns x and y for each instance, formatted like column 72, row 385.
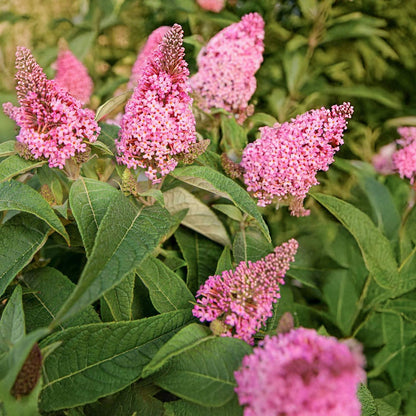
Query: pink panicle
column 212, row 5
column 404, row 160
column 146, row 52
column 72, row 76
column 243, row 299
column 227, row 66
column 282, row 164
column 301, row 373
column 158, row 123
column 53, row 124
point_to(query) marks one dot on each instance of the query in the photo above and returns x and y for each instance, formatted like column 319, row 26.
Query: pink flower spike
column 146, row 52
column 158, row 123
column 301, row 373
column 212, row 5
column 72, row 76
column 404, row 160
column 282, row 164
column 227, row 66
column 53, row 124
column 241, row 301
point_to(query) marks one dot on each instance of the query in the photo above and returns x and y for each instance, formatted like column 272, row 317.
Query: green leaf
column 15, row 165
column 108, row 134
column 250, row 245
column 187, row 338
column 20, row 197
column 7, row 148
column 49, row 291
column 119, row 299
column 201, row 256
column 112, row 104
column 101, row 147
column 375, row 248
column 20, row 238
column 126, row 235
column 230, row 210
column 168, row 292
column 199, row 217
column 184, row 408
column 213, row 181
column 96, row 360
column 368, row 405
column 12, row 323
column 224, row 262
column 205, row 374
column 234, row 136
column 89, row 200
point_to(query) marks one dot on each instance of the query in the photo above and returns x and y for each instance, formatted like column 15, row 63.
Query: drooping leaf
column 89, row 200
column 100, row 359
column 230, row 210
column 126, row 235
column 199, row 217
column 20, row 238
column 7, row 148
column 20, row 197
column 213, row 181
column 168, row 292
column 15, row 165
column 110, row 105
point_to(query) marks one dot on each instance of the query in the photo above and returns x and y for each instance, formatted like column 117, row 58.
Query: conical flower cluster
column 227, row 65
column 158, row 124
column 404, row 159
column 72, row 76
column 301, row 373
column 282, row 164
column 242, row 300
column 53, row 124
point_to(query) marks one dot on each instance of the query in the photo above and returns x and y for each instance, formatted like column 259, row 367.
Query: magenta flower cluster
column 152, row 43
column 242, row 299
column 158, row 123
column 282, row 164
column 227, row 65
column 72, row 76
column 404, row 159
column 301, row 373
column 53, row 124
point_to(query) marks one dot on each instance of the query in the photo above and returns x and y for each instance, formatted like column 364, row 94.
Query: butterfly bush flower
column 227, row 65
column 146, row 52
column 53, row 124
column 212, row 5
column 72, row 76
column 282, row 164
column 158, row 124
column 240, row 301
column 383, row 160
column 301, row 373
column 404, row 160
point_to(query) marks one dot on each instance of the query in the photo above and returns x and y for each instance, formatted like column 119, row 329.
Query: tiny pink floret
column 404, row 160
column 282, row 164
column 227, row 65
column 243, row 299
column 158, row 123
column 301, row 373
column 53, row 124
column 72, row 76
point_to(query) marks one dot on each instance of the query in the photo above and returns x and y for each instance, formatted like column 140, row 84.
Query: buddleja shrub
column 138, row 273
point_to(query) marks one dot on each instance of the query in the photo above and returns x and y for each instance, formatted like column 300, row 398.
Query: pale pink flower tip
column 282, row 164
column 301, row 373
column 383, row 160
column 242, row 300
column 212, row 5
column 404, row 160
column 72, row 76
column 145, row 53
column 227, row 65
column 53, row 124
column 158, row 123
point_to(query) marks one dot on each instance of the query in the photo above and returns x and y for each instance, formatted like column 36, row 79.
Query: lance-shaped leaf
column 89, row 200
column 199, row 217
column 375, row 248
column 20, row 238
column 15, row 165
column 215, row 182
column 168, row 292
column 7, row 148
column 126, row 235
column 100, row 359
column 20, row 197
